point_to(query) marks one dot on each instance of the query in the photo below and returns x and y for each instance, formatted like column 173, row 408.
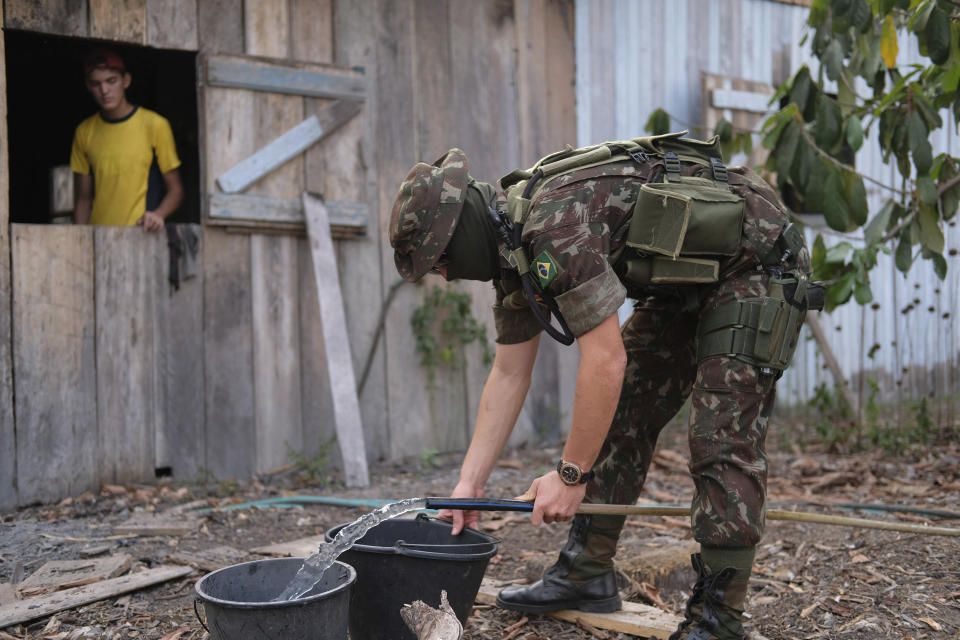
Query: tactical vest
column 688, row 217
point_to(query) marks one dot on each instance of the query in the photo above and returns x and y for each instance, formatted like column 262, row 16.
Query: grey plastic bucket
column 403, row 560
column 237, row 602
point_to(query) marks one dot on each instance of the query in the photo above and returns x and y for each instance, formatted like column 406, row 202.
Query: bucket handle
column 413, row 545
column 196, row 612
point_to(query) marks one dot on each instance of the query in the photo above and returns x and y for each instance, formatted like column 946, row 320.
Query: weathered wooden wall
column 759, row 41
column 8, row 465
column 227, row 376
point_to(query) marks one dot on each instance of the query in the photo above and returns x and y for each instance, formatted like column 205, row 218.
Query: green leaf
column 813, row 196
column 938, row 36
column 803, row 164
column 853, row 130
column 787, row 148
column 838, row 253
column 949, row 199
column 658, row 123
column 885, row 6
column 835, row 208
column 919, row 144
column 818, row 255
column 840, row 292
column 800, row 90
column 904, row 254
column 827, row 125
column 888, row 42
column 860, row 15
column 775, row 125
column 873, row 232
column 858, row 199
column 862, row 293
column 724, row 131
column 939, row 265
column 931, row 236
column 918, row 21
column 832, row 59
column 927, row 190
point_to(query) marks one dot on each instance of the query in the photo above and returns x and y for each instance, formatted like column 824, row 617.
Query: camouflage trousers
column 731, row 403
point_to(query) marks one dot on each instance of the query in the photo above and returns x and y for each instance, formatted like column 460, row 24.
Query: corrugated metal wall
column 634, row 56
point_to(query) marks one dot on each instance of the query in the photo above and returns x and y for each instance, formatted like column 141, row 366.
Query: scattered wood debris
column 432, row 624
column 64, row 574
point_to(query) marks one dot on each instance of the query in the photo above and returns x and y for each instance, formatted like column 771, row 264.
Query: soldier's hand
column 462, row 519
column 554, row 500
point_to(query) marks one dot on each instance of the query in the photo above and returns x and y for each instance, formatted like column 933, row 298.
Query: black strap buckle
column 671, row 162
column 639, row 156
column 719, row 170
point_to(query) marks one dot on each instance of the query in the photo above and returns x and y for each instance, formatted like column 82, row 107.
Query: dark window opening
column 47, row 99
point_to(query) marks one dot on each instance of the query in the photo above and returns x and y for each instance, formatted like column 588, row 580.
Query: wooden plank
column 742, row 100
column 33, row 608
column 290, row 144
column 181, row 446
column 319, row 423
column 347, row 169
column 285, row 210
column 63, row 17
column 123, row 20
column 229, row 132
column 208, row 559
column 274, row 113
column 266, row 28
column 276, row 349
column 54, row 357
column 228, row 355
column 303, row 80
column 152, row 524
column 300, row 548
column 125, row 268
column 57, row 575
column 634, row 618
column 172, row 24
column 343, row 386
column 8, row 449
column 396, row 144
column 311, row 30
column 220, row 26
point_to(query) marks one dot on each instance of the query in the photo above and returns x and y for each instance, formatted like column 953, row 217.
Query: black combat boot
column 582, row 578
column 715, row 608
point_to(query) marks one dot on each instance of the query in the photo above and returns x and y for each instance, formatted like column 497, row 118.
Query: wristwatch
column 572, row 474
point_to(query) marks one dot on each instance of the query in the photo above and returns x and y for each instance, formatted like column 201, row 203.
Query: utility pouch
column 761, row 331
column 686, row 216
column 661, row 270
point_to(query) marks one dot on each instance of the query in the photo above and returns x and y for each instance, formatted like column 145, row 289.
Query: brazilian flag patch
column 544, row 268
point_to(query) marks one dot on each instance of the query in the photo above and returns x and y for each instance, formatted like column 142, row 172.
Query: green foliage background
column 828, row 116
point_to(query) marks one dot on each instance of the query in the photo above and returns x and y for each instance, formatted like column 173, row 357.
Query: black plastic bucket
column 237, row 601
column 403, row 560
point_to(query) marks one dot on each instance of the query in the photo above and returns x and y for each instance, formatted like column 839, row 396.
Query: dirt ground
column 811, row 580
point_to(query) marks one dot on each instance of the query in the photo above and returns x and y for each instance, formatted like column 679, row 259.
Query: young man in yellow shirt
column 123, row 155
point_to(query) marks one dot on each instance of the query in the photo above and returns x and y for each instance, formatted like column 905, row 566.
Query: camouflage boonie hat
column 426, row 211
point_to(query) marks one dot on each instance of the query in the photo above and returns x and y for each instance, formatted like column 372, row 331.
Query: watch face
column 569, row 473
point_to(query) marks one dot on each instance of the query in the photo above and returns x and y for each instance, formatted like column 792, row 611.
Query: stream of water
column 313, row 567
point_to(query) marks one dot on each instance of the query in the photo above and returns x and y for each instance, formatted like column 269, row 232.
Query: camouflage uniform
column 576, row 224
column 575, row 236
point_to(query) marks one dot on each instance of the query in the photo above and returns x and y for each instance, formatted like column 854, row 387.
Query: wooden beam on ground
column 634, row 618
column 57, row 575
column 300, row 548
column 33, row 608
column 313, row 81
column 343, row 386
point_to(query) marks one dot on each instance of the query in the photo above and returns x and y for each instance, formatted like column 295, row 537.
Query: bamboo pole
column 775, row 514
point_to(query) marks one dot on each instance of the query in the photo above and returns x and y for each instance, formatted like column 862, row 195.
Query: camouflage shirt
column 576, row 222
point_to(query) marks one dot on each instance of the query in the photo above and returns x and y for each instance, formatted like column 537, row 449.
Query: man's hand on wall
column 151, row 222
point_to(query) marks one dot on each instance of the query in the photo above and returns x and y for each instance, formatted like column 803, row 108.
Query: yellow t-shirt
column 119, row 154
